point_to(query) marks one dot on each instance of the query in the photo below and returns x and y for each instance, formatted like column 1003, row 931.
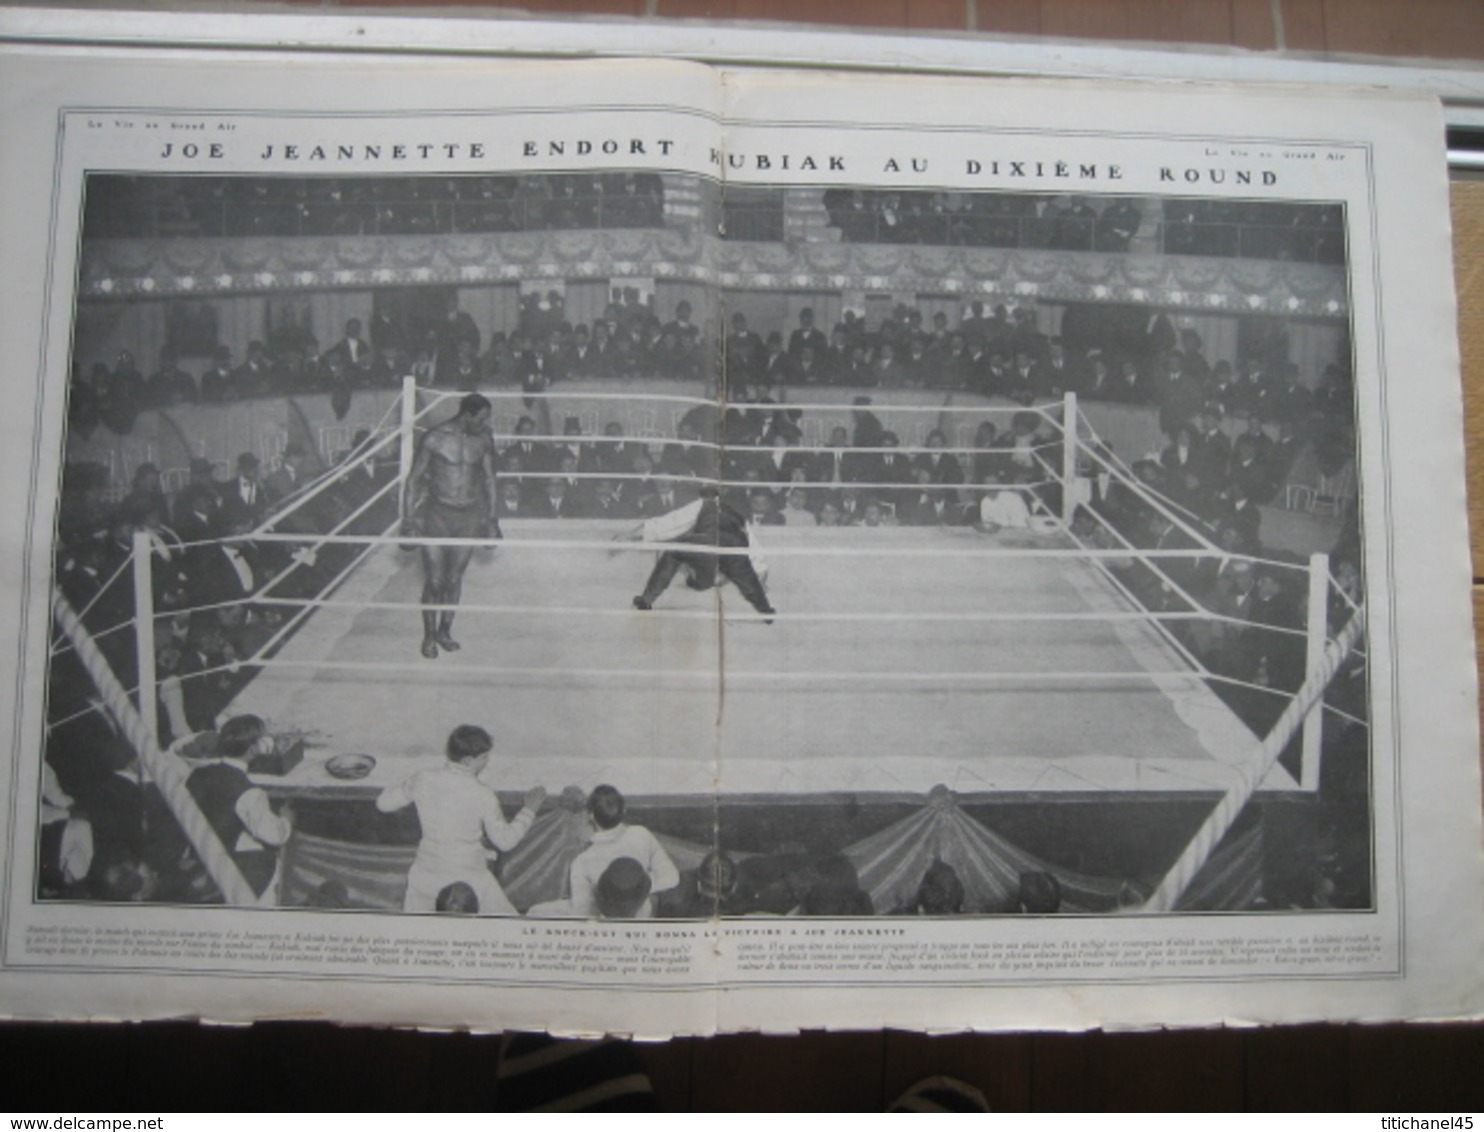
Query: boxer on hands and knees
column 707, row 521
column 450, row 493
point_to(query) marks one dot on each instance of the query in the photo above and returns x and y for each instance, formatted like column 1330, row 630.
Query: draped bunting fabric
column 375, row 876
column 889, row 863
column 1231, row 877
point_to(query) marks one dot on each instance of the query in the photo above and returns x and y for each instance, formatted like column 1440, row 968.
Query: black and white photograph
column 865, row 565
column 965, row 540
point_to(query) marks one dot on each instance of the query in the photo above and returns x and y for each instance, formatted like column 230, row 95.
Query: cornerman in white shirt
column 458, row 812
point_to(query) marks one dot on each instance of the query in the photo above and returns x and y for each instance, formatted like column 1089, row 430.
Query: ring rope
column 1101, row 452
column 1204, row 612
column 704, row 615
column 773, row 551
column 293, row 622
column 441, row 395
column 1043, row 409
column 763, row 485
column 1221, row 818
column 303, row 555
column 1189, row 599
column 915, row 676
column 167, row 776
column 1234, row 682
column 312, row 489
column 260, row 658
column 1128, row 595
column 1153, row 498
column 556, row 442
column 60, row 642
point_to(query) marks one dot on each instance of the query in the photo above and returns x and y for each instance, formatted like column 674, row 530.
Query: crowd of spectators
column 1306, row 233
column 988, row 220
column 122, row 206
column 1275, row 230
column 994, row 351
column 217, row 603
column 137, row 207
column 1232, row 437
column 614, row 868
column 859, row 478
column 1233, row 432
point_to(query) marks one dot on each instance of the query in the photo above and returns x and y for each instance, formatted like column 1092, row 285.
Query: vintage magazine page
column 654, row 548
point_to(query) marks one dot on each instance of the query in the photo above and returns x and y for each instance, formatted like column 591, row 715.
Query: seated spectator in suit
column 133, row 828
column 1039, row 894
column 796, row 512
column 877, row 514
column 613, row 839
column 1250, row 472
column 830, row 514
column 779, row 367
column 985, row 437
column 763, row 509
column 944, row 466
column 256, row 376
column 886, row 474
column 773, row 883
column 241, row 814
column 1238, row 510
column 835, row 890
column 607, row 501
column 292, row 473
column 511, row 502
column 457, row 899
column 1220, row 642
column 623, row 891
column 562, row 500
column 1184, row 470
column 171, row 385
column 194, row 518
column 127, row 881
column 1002, row 509
column 186, row 703
column 928, row 506
column 247, row 487
column 1276, row 658
column 354, row 351
column 535, row 455
column 216, row 382
column 708, row 890
column 1128, row 385
column 616, row 454
column 465, row 370
column 940, row 893
column 662, row 496
column 147, row 492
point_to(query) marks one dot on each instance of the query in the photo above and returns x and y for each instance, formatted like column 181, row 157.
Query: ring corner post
column 144, row 629
column 1069, row 458
column 407, row 427
column 1316, row 638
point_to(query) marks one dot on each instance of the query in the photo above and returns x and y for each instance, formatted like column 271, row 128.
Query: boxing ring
column 900, row 659
column 1012, row 663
